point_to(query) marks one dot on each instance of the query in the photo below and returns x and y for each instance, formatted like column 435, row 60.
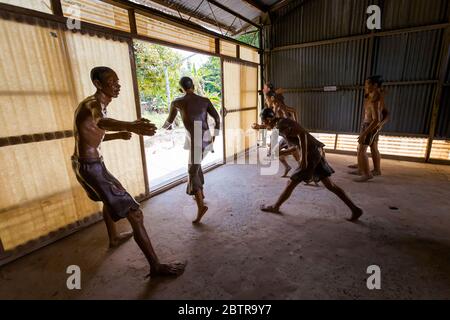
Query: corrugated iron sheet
column 269, row 2
column 443, row 125
column 448, row 74
column 327, row 19
column 410, row 108
column 341, row 111
column 411, row 13
column 408, row 57
column 336, row 64
column 319, row 20
column 201, row 8
column 328, row 111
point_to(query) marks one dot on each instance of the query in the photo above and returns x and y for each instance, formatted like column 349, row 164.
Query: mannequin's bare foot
column 174, row 269
column 201, row 212
column 363, row 179
column 120, row 239
column 286, row 171
column 356, row 213
column 376, row 173
column 271, row 209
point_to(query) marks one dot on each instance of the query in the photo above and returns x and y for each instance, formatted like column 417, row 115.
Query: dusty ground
column 309, row 252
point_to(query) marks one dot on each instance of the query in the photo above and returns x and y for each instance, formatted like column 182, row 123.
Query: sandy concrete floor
column 239, row 252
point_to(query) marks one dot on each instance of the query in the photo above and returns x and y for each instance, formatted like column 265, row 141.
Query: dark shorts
column 195, row 173
column 101, row 185
column 317, row 169
column 195, row 179
column 283, row 144
column 372, row 137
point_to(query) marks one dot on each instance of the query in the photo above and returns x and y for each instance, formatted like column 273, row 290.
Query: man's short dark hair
column 267, row 113
column 186, row 83
column 279, row 97
column 99, row 73
column 378, row 80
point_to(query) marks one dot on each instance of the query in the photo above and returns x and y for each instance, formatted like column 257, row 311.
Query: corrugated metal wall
column 328, row 19
column 443, row 128
column 400, row 58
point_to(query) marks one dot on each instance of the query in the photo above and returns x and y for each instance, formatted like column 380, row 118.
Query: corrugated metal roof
column 202, row 9
column 408, row 57
column 269, row 2
column 335, row 64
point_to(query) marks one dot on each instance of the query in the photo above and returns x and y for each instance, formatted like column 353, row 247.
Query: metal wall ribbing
column 333, row 47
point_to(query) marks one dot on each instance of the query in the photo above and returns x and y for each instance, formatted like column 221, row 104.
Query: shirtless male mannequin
column 90, row 126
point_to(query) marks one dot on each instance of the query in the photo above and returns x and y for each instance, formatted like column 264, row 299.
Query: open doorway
column 159, row 69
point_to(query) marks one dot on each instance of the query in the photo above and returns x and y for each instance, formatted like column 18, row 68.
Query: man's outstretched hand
column 125, row 135
column 256, row 126
column 143, row 127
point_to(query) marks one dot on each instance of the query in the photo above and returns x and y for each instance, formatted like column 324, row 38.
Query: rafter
column 168, row 4
column 225, row 8
column 258, row 5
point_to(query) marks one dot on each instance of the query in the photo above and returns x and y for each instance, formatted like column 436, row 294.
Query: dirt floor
column 308, row 252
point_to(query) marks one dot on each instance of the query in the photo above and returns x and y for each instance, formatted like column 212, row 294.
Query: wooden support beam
column 37, row 137
column 363, row 36
column 258, row 5
column 2, row 249
column 132, row 18
column 225, row 8
column 224, row 113
column 151, row 12
column 198, row 16
column 279, row 5
column 57, row 8
column 137, row 101
column 217, row 46
column 357, row 87
column 444, row 63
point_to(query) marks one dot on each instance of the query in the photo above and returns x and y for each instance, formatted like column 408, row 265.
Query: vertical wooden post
column 132, row 19
column 138, row 113
column 2, row 249
column 262, row 66
column 223, row 111
column 443, row 67
column 336, row 141
column 238, row 51
column 217, row 43
column 57, row 8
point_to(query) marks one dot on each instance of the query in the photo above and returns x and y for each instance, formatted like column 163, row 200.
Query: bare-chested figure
column 374, row 151
column 194, row 112
column 313, row 167
column 285, row 148
column 90, row 126
column 370, row 127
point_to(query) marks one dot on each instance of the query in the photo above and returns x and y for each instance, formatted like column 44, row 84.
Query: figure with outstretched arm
column 91, row 125
column 313, row 166
column 194, row 111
